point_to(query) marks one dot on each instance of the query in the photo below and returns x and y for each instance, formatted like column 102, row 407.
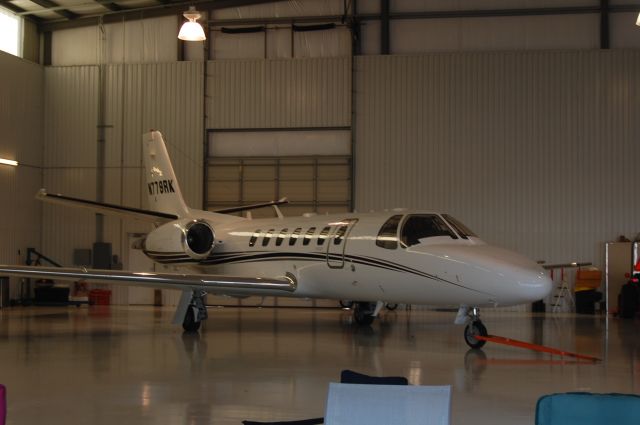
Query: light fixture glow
column 8, row 162
column 191, row 30
column 638, row 20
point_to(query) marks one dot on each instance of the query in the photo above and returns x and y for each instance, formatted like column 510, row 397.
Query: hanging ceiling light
column 191, row 30
column 638, row 20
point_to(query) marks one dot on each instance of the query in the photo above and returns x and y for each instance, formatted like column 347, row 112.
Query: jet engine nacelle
column 195, row 238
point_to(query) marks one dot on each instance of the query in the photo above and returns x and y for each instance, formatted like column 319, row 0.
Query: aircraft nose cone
column 529, row 281
column 508, row 277
column 534, row 282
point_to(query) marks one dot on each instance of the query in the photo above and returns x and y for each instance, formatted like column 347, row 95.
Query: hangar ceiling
column 50, row 14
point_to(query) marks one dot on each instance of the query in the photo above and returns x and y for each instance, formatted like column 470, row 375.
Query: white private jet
column 412, row 257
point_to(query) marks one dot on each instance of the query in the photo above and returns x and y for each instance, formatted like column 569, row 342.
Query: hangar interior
column 518, row 117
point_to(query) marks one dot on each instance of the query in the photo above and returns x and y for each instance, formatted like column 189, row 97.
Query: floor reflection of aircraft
column 410, row 257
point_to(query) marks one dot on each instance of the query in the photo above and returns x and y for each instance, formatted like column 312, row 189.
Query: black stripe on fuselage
column 262, row 256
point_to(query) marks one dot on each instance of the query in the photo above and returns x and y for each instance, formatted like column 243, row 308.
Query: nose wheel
column 473, row 329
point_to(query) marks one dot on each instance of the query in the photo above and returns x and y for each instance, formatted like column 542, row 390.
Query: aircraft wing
column 209, row 283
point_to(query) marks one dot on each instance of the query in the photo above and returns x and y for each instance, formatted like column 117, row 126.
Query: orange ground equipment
column 534, row 347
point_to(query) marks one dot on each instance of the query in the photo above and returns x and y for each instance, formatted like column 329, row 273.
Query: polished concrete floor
column 129, row 365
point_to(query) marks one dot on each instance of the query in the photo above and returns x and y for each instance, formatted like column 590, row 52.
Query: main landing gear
column 474, row 327
column 196, row 312
column 365, row 312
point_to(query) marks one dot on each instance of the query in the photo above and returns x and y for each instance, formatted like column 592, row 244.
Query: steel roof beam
column 175, row 8
column 50, row 4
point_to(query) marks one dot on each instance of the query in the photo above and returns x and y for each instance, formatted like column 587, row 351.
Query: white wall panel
column 279, row 43
column 535, row 151
column 500, row 33
column 237, row 46
column 138, row 41
column 279, row 93
column 76, row 46
column 282, row 8
column 326, row 43
column 21, row 112
column 142, row 41
column 71, row 110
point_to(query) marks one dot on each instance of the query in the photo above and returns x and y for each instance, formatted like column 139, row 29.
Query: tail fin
column 162, row 186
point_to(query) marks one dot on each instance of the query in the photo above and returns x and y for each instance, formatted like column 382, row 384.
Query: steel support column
column 384, row 27
column 604, row 24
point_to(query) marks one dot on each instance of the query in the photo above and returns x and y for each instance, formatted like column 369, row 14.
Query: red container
column 99, row 297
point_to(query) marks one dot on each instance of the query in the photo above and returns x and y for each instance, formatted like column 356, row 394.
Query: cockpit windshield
column 462, row 230
column 420, row 226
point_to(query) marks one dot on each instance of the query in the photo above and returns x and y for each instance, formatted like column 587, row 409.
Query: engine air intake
column 199, row 238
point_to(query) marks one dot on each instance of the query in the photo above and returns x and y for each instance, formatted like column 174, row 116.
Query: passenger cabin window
column 420, row 226
column 254, row 238
column 294, row 236
column 462, row 230
column 388, row 235
column 308, row 235
column 323, row 235
column 267, row 237
column 342, row 230
column 280, row 237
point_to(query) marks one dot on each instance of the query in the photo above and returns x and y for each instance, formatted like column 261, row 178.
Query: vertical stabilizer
column 162, row 186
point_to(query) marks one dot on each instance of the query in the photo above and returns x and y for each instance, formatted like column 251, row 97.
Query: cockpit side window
column 388, row 235
column 462, row 230
column 421, row 226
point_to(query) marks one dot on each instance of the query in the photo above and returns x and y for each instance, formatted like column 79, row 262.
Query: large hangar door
column 312, row 168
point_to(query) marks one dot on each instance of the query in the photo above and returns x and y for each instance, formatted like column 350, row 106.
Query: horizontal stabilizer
column 253, row 206
column 105, row 208
column 213, row 283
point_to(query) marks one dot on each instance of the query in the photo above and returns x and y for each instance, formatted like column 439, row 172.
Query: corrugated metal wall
column 535, row 151
column 21, row 113
column 166, row 97
column 279, row 93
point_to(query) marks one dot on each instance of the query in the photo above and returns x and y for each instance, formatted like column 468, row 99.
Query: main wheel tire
column 346, row 304
column 471, row 330
column 362, row 313
column 189, row 324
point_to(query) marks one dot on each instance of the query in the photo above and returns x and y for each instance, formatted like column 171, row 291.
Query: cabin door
column 337, row 245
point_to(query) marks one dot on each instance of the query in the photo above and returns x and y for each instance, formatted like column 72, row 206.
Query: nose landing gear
column 474, row 327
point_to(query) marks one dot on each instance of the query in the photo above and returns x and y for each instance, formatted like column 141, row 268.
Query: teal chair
column 588, row 409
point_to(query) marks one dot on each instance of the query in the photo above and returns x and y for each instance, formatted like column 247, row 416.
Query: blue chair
column 350, row 377
column 346, row 377
column 588, row 409
column 314, row 421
